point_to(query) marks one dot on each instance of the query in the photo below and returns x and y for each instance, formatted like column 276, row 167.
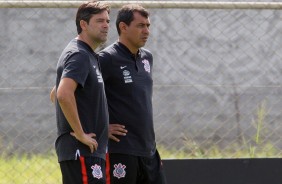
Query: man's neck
column 133, row 50
column 89, row 42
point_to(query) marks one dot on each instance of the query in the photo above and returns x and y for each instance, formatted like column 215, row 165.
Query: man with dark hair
column 127, row 72
column 81, row 106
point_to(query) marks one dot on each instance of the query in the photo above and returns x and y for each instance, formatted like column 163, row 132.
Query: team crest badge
column 96, row 171
column 146, row 65
column 119, row 171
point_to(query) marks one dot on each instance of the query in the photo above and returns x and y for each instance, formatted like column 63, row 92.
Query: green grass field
column 43, row 169
column 30, row 170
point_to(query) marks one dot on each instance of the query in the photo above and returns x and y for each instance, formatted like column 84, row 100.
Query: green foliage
column 259, row 126
column 255, row 147
column 232, row 151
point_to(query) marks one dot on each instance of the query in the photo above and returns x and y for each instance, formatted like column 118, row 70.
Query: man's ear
column 83, row 24
column 122, row 26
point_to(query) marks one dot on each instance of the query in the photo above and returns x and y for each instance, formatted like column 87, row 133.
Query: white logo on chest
column 98, row 73
column 126, row 76
column 147, row 66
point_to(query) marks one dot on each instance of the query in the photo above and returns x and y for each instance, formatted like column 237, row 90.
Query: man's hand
column 116, row 129
column 88, row 140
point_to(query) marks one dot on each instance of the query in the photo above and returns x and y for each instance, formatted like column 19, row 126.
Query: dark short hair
column 87, row 9
column 126, row 14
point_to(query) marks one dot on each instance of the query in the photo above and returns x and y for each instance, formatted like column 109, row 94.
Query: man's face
column 98, row 27
column 138, row 31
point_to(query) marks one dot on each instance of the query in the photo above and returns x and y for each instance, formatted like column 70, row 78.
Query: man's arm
column 66, row 99
column 105, row 63
column 53, row 94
